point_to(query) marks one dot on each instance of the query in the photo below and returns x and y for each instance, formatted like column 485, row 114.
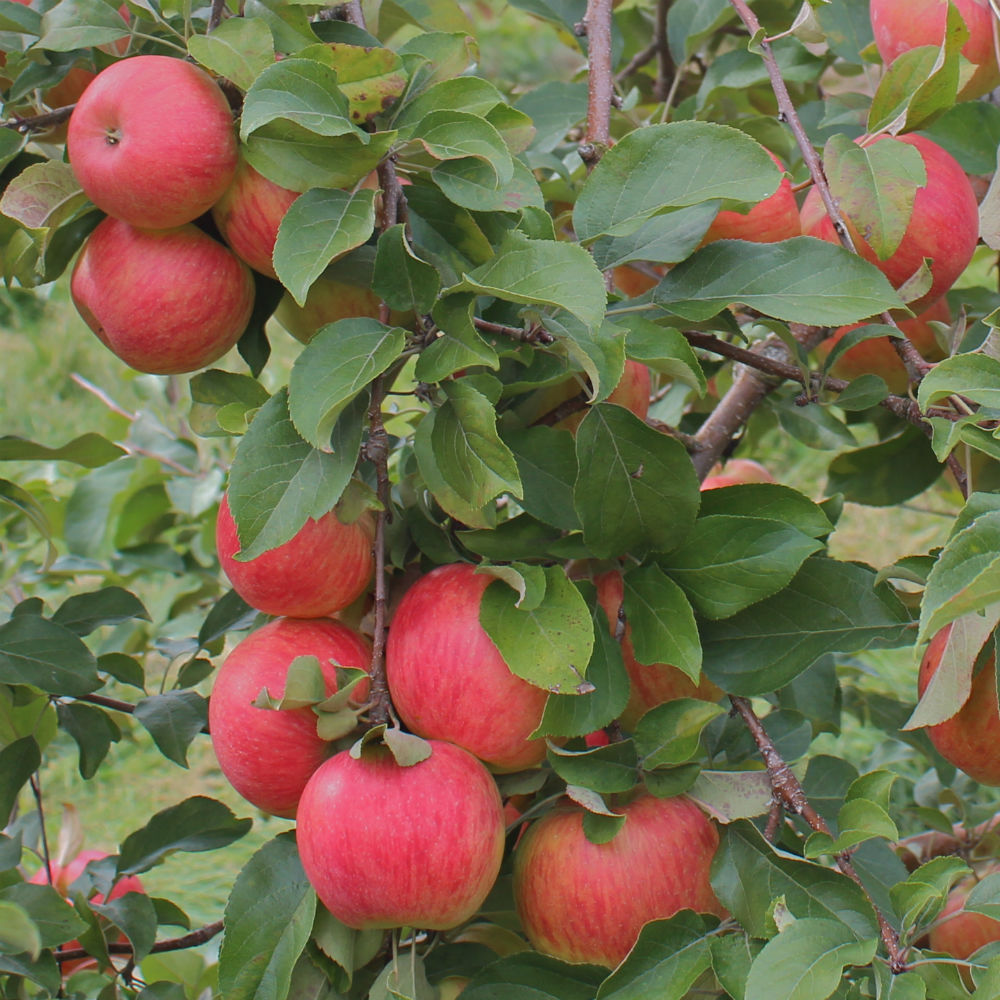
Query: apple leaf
column 404, row 978
column 458, row 344
column 78, row 24
column 371, row 78
column 268, row 920
column 89, row 450
column 801, row 280
column 675, row 165
column 239, row 49
column 82, row 613
column 135, row 916
column 43, row 195
column 320, row 226
column 406, row 748
column 44, row 654
column 985, row 896
column 528, row 580
column 669, row 734
column 18, row 932
column 470, row 94
column 606, row 769
column 728, row 563
column 402, row 280
column 768, row 500
column 665, row 961
column 18, row 762
column 196, row 824
column 20, row 19
column 471, row 183
column 973, row 376
column 529, row 975
column 665, row 350
column 224, row 398
column 93, row 729
column 923, row 895
column 455, row 135
column 546, row 463
column 636, row 489
column 548, row 646
column 729, row 795
column 665, row 239
column 278, row 480
column 56, row 920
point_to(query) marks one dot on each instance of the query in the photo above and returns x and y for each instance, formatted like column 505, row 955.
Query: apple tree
column 551, row 382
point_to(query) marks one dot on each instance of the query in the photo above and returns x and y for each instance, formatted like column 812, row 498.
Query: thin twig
column 190, row 940
column 600, row 82
column 36, row 791
column 215, row 17
column 117, row 706
column 534, row 334
column 38, row 123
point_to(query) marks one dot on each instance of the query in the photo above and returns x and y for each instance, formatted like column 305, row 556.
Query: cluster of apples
column 387, row 845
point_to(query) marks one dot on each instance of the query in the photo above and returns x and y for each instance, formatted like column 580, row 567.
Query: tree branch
column 117, row 706
column 600, row 81
column 189, row 940
column 38, row 123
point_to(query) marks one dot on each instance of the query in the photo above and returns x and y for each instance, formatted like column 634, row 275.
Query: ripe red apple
column 734, row 472
column 774, row 219
column 248, row 215
column 969, row 739
column 447, row 679
column 151, row 141
column 900, row 25
column 165, row 301
column 649, row 684
column 268, row 755
column 944, row 225
column 318, row 572
column 632, row 282
column 584, row 902
column 878, row 357
column 391, row 846
column 958, row 933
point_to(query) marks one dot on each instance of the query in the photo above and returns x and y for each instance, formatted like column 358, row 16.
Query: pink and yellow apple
column 321, row 570
column 327, row 301
column 164, row 301
column 268, row 755
column 391, row 846
column 152, row 142
column 585, row 902
column 449, row 682
column 735, row 472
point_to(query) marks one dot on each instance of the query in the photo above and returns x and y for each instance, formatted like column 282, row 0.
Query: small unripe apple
column 391, row 846
column 151, row 141
column 774, row 219
column 901, row 25
column 969, row 739
column 268, row 755
column 447, row 679
column 585, row 902
column 944, row 225
column 164, row 301
column 318, row 572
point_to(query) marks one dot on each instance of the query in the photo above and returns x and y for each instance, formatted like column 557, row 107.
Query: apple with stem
column 970, row 737
column 268, row 755
column 164, row 301
column 390, row 846
column 585, row 902
column 321, row 570
column 449, row 682
column 151, row 141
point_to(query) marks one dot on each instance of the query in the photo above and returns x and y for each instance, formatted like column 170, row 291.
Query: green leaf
column 371, row 78
column 666, row 239
column 636, row 488
column 46, row 655
column 56, row 920
column 768, row 500
column 665, row 961
column 875, row 187
column 546, row 463
column 665, row 350
column 603, row 769
column 135, row 915
column 20, row 19
column 529, row 975
column 669, row 734
column 923, row 895
column 458, row 344
column 455, row 135
column 806, row 961
column 173, row 719
column 663, row 629
column 675, row 165
column 973, row 376
column 196, row 824
column 729, row 563
column 18, row 762
column 230, row 612
column 18, row 932
column 985, row 896
column 964, row 578
column 93, row 730
column 82, row 613
column 297, row 91
column 404, row 978
column 472, row 459
column 828, row 607
column 801, row 280
column 77, row 24
column 320, row 226
column 269, row 917
column 239, row 49
column 541, row 272
column 89, row 450
column 471, row 183
column 749, row 874
column 550, row 645
column 402, row 280
column 224, row 402
column 333, row 369
column 278, row 480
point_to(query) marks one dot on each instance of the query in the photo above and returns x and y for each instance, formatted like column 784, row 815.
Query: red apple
column 318, row 572
column 944, row 226
column 632, row 282
column 449, row 682
column 248, row 215
column 901, row 25
column 151, row 141
column 326, row 302
column 878, row 357
column 649, row 684
column 164, row 301
column 391, row 846
column 774, row 219
column 734, row 472
column 268, row 755
column 958, row 933
column 584, row 902
column 969, row 739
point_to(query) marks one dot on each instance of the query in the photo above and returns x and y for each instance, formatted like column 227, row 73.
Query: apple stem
column 596, row 25
column 789, row 794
